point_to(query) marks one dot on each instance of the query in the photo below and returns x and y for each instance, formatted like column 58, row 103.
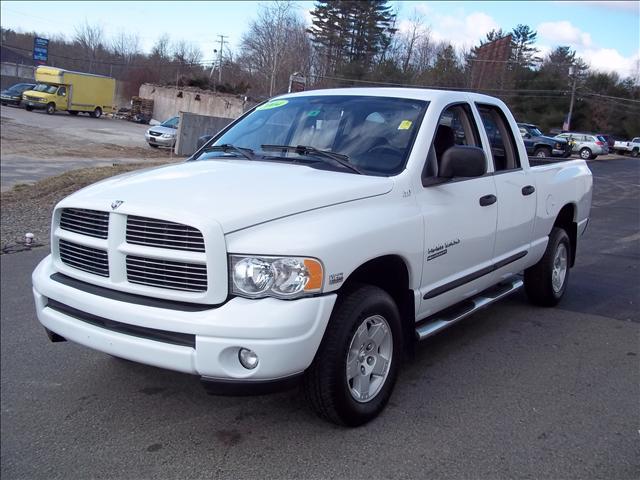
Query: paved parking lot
column 36, row 145
column 512, row 392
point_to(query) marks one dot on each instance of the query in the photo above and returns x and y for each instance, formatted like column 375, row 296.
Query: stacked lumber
column 141, row 109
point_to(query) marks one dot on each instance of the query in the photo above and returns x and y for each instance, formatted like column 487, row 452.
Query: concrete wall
column 169, row 101
column 11, row 73
column 193, row 126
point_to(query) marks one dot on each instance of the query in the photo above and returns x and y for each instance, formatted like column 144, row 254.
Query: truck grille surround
column 179, row 274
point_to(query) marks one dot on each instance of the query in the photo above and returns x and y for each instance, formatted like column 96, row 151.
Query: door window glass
column 62, row 91
column 501, row 140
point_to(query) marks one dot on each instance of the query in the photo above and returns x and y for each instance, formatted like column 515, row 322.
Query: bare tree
column 160, row 49
column 91, row 39
column 125, row 45
column 276, row 35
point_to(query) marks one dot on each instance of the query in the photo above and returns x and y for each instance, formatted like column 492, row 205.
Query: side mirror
column 463, row 161
column 202, row 140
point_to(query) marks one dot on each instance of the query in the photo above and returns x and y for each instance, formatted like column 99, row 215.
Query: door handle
column 488, row 200
column 528, row 190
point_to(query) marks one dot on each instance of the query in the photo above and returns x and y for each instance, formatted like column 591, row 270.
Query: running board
column 451, row 315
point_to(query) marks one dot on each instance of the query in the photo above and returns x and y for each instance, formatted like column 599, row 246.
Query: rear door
column 515, row 188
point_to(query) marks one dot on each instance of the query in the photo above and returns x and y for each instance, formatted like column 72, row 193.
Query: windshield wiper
column 307, row 150
column 227, row 147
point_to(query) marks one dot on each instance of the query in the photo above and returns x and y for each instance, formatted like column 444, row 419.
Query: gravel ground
column 27, row 208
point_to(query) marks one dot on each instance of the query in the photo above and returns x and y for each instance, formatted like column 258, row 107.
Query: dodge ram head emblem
column 116, row 203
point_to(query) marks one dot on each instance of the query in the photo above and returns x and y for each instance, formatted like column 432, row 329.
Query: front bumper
column 10, row 100
column 163, row 142
column 35, row 105
column 284, row 334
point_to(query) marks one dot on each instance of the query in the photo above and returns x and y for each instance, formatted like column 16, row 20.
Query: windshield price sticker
column 273, row 104
column 405, row 125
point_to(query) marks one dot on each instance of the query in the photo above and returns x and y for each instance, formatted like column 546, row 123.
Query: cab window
column 62, row 91
column 501, row 140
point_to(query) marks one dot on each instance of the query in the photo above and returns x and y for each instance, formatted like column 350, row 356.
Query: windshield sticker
column 273, row 104
column 313, row 113
column 405, row 125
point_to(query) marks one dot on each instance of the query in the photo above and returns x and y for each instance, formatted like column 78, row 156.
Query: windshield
column 171, row 123
column 375, row 134
column 43, row 87
column 19, row 88
column 535, row 131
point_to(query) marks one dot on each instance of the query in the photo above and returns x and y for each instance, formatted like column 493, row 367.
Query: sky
column 606, row 34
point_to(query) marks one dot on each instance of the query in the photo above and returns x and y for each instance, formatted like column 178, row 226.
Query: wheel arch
column 391, row 274
column 566, row 220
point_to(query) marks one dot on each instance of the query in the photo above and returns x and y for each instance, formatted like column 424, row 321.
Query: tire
column 542, row 152
column 366, row 315
column 153, row 145
column 546, row 281
column 51, row 108
column 585, row 154
column 97, row 113
column 73, row 112
column 634, row 153
column 28, row 108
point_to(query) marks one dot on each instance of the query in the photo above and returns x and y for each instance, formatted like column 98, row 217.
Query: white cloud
column 462, row 31
column 628, row 6
column 610, row 60
column 564, row 33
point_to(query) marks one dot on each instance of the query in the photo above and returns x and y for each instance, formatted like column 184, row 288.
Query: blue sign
column 40, row 49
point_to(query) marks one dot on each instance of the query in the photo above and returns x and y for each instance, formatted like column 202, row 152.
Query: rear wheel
column 586, row 154
column 542, row 152
column 51, row 108
column 546, row 281
column 97, row 113
column 355, row 369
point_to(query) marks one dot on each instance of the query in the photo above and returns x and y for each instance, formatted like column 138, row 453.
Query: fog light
column 248, row 358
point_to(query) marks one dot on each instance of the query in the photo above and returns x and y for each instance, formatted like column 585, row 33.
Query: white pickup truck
column 622, row 147
column 314, row 239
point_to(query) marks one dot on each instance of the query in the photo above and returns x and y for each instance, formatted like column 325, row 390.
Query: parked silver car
column 163, row 135
column 587, row 145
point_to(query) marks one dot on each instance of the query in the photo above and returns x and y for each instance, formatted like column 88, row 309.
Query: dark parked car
column 539, row 145
column 13, row 94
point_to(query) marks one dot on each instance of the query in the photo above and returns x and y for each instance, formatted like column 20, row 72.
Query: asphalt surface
column 512, row 392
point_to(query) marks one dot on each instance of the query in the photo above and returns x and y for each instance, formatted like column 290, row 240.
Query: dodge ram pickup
column 314, row 241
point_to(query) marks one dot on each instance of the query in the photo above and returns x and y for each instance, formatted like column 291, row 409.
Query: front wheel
column 355, row 369
column 634, row 153
column 51, row 108
column 542, row 152
column 28, row 108
column 546, row 281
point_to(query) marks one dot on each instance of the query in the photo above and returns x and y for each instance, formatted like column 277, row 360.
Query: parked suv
column 539, row 145
column 587, row 145
column 163, row 135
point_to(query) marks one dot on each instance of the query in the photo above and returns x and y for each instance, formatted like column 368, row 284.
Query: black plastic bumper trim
column 215, row 386
column 130, row 297
column 175, row 338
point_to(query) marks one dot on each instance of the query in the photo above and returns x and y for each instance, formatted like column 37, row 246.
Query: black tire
column 634, row 153
column 97, row 113
column 28, row 108
column 542, row 152
column 154, row 145
column 51, row 108
column 73, row 112
column 325, row 381
column 538, row 279
column 586, row 154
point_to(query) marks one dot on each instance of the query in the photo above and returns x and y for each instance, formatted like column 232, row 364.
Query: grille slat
column 84, row 258
column 85, row 222
column 163, row 234
column 167, row 274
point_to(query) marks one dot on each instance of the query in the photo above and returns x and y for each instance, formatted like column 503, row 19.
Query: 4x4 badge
column 115, row 204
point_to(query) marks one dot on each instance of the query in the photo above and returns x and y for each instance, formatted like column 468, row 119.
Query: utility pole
column 573, row 95
column 222, row 37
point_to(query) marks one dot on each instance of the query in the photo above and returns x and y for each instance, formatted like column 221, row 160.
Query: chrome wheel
column 369, row 358
column 559, row 272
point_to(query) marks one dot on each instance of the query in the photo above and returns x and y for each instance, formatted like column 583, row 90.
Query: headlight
column 558, row 146
column 167, row 135
column 282, row 277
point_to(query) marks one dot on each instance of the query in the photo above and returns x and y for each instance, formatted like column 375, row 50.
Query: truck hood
column 553, row 139
column 235, row 193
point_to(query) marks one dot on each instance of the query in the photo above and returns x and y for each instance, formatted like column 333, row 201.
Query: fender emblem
column 115, row 204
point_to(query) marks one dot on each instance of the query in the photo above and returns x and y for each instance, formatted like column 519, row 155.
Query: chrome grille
column 84, row 258
column 160, row 233
column 86, row 222
column 191, row 277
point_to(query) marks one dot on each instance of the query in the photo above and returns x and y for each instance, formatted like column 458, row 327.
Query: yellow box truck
column 75, row 92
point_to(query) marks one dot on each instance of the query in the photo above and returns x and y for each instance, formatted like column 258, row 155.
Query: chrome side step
column 451, row 315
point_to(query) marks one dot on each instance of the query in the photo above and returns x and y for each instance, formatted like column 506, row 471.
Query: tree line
column 359, row 43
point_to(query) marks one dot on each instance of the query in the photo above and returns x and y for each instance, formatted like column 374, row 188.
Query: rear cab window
column 501, row 140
